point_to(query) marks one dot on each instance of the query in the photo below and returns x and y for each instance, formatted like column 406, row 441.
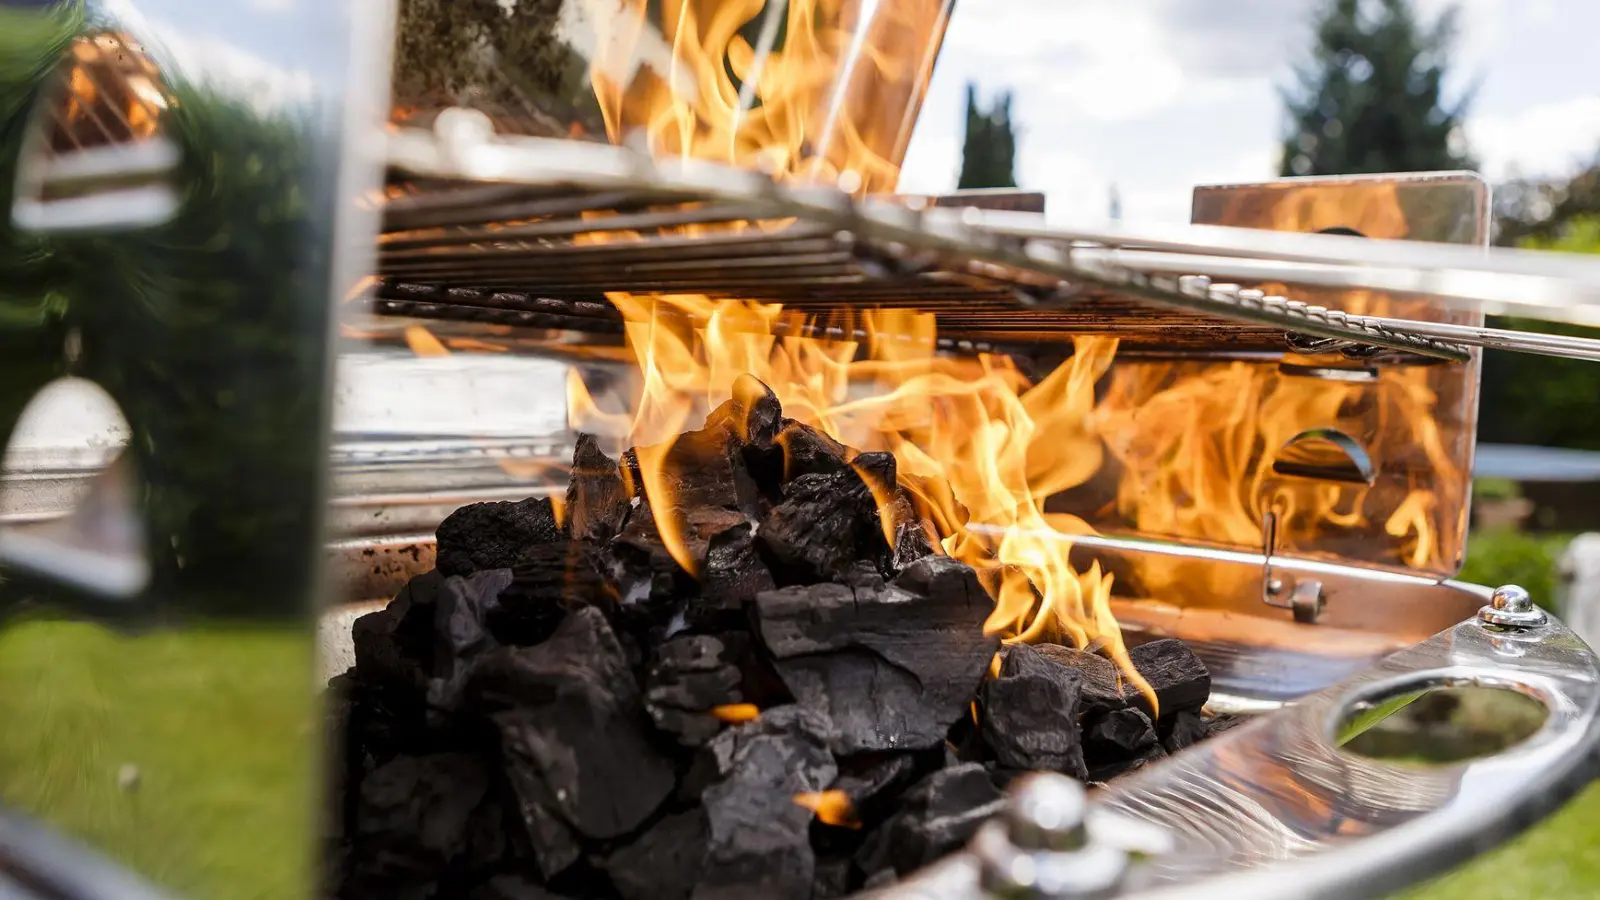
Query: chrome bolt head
column 1047, row 813
column 1511, row 607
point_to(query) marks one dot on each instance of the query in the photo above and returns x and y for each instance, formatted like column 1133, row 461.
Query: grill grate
column 544, row 257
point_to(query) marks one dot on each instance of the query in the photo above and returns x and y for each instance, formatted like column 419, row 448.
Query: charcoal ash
column 494, row 535
column 1029, row 713
column 893, row 669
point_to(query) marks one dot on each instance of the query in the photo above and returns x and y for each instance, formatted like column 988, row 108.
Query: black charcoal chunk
column 1100, row 682
column 872, row 781
column 553, row 843
column 573, row 730
column 823, row 526
column 687, row 727
column 691, row 653
column 413, row 812
column 753, row 414
column 548, row 581
column 664, row 862
column 394, row 646
column 880, row 880
column 1110, row 771
column 759, row 838
column 831, row 879
column 597, row 499
column 1177, row 676
column 1181, row 730
column 1222, row 722
column 733, row 575
column 807, row 451
column 458, row 621
column 494, row 535
column 705, row 469
column 892, row 669
column 695, row 690
column 1122, row 734
column 512, row 887
column 1029, row 714
column 937, row 816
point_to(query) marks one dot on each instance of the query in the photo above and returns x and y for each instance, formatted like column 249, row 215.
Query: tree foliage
column 988, row 159
column 1371, row 97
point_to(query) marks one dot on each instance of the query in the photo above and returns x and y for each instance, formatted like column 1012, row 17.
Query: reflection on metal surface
column 170, row 237
column 1444, row 723
column 1326, row 454
column 1275, row 809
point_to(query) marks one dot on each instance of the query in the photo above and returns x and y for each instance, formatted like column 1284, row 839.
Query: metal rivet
column 1511, row 607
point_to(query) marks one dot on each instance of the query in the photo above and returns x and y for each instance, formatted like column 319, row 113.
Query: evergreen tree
column 1371, row 98
column 988, row 160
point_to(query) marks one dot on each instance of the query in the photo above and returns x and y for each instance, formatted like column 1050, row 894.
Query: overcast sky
column 1158, row 96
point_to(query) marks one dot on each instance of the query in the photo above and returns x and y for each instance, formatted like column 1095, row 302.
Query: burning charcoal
column 412, row 816
column 1099, row 680
column 869, row 781
column 573, row 729
column 704, row 469
column 493, row 535
column 733, row 575
column 1119, row 735
column 753, row 415
column 458, row 622
column 824, row 525
column 597, row 500
column 759, row 837
column 937, row 816
column 1029, row 715
column 1177, row 676
column 1182, row 730
column 665, row 862
column 547, row 581
column 807, row 451
column 893, row 668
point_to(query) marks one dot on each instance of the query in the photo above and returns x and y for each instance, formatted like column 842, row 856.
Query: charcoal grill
column 245, row 210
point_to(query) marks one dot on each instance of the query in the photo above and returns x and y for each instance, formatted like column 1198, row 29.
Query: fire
column 981, row 443
column 831, row 807
column 734, row 713
column 825, row 90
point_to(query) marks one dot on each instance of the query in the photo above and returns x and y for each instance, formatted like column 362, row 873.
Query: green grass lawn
column 217, row 721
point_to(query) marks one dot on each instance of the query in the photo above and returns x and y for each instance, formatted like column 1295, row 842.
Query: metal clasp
column 1304, row 598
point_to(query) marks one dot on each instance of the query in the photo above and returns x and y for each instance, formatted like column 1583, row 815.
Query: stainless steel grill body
column 223, row 226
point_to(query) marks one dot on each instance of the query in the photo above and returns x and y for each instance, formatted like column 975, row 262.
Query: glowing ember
column 423, row 343
column 734, row 713
column 830, row 807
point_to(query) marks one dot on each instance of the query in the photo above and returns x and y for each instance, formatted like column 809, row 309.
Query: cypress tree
column 1370, row 99
column 988, row 159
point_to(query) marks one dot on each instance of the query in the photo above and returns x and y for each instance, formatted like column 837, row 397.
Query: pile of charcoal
column 561, row 710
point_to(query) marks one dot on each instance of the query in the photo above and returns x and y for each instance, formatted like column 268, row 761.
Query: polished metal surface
column 1043, row 847
column 177, row 225
column 1276, row 809
column 1510, row 607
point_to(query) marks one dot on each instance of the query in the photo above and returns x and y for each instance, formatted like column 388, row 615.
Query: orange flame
column 819, row 89
column 734, row 713
column 831, row 807
column 423, row 343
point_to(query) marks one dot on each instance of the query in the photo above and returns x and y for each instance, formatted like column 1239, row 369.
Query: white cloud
column 1548, row 139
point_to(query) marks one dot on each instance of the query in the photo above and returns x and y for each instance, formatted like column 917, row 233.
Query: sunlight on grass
column 218, row 722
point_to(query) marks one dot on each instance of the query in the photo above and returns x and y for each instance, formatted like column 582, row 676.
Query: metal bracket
column 1304, row 597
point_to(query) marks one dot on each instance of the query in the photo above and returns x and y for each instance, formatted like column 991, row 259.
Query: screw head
column 1046, row 812
column 1511, row 607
